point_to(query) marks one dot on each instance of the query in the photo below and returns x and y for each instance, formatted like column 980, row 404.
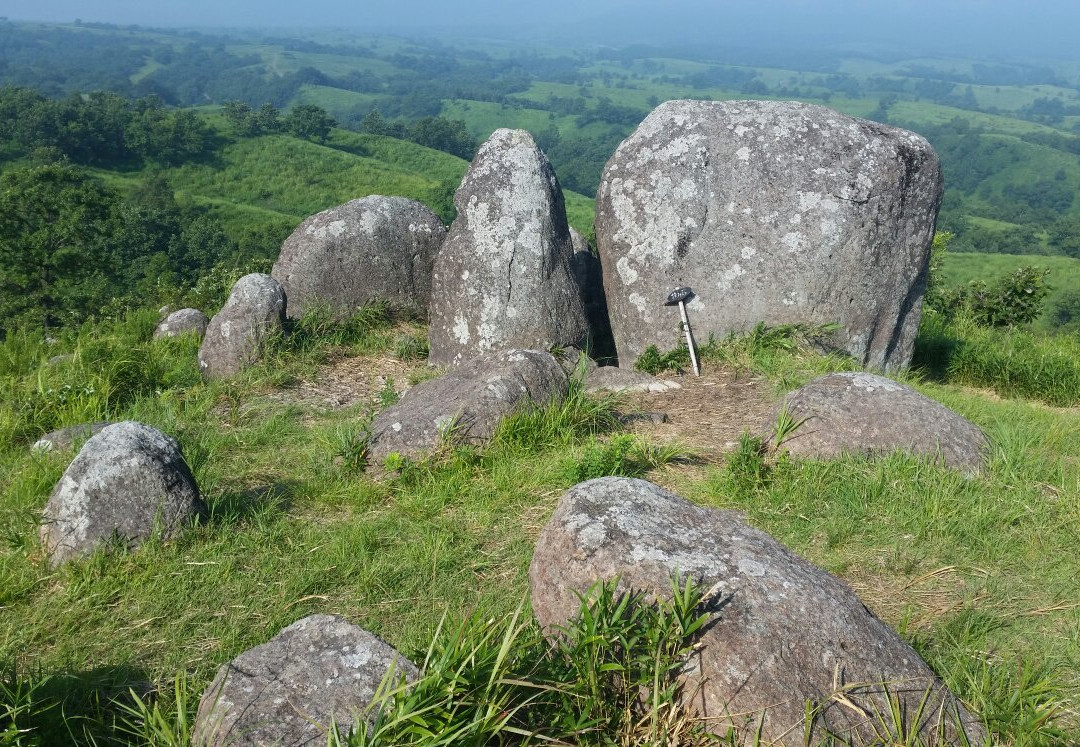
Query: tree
column 310, row 122
column 54, row 226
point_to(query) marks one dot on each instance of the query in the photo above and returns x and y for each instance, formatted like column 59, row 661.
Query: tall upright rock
column 234, row 340
column 772, row 211
column 372, row 249
column 502, row 278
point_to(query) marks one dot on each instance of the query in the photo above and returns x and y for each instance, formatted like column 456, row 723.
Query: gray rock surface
column 502, row 278
column 615, row 379
column 126, row 482
column 782, row 631
column 287, row 691
column 64, row 439
column 371, row 249
column 865, row 414
column 468, row 403
column 255, row 309
column 772, row 211
column 585, row 266
column 182, row 321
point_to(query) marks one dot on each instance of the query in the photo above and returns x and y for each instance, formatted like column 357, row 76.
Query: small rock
column 615, row 379
column 234, row 338
column 467, row 404
column 286, row 692
column 64, row 439
column 182, row 321
column 782, row 632
column 126, row 482
column 867, row 414
column 60, row 360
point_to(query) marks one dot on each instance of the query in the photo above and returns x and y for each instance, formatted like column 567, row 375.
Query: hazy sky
column 984, row 27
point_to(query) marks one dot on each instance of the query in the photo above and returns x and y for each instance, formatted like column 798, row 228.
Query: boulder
column 373, row 249
column 782, row 632
column 286, row 692
column 234, row 339
column 615, row 379
column 502, row 278
column 467, row 404
column 64, row 439
column 128, row 482
column 772, row 211
column 865, row 414
column 181, row 322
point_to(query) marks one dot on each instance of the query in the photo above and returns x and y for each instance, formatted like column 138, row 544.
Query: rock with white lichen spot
column 467, row 404
column 502, row 278
column 287, row 692
column 862, row 413
column 235, row 336
column 614, row 379
column 372, row 249
column 782, row 633
column 128, row 482
column 772, row 211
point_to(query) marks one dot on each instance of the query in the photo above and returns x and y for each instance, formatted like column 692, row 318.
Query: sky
column 990, row 28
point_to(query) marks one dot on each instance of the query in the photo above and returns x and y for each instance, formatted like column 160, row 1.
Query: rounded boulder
column 372, row 249
column 127, row 482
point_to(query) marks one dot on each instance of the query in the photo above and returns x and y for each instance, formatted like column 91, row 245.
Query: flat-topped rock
column 862, row 413
column 182, row 322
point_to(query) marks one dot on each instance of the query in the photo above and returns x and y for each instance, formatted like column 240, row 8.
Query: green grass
column 297, row 527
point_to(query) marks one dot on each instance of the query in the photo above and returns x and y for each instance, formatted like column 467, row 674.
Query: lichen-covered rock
column 467, row 404
column 502, row 278
column 64, row 439
column 182, row 321
column 234, row 338
column 865, row 414
column 782, row 632
column 288, row 691
column 775, row 212
column 615, row 379
column 373, row 249
column 127, row 482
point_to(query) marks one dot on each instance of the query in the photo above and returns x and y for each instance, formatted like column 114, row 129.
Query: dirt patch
column 707, row 413
column 358, row 380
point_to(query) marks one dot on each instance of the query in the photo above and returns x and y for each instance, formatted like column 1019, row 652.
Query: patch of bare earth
column 707, row 413
column 358, row 380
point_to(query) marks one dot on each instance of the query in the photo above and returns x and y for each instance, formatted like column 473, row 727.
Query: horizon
column 993, row 30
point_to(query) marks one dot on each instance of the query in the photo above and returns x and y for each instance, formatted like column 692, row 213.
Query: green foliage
column 652, row 361
column 309, row 122
column 1016, row 299
column 18, row 698
column 576, row 416
column 623, row 455
column 610, row 677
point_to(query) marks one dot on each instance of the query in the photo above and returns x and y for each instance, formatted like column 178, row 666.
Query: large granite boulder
column 234, row 339
column 467, row 404
column 866, row 414
column 783, row 632
column 772, row 211
column 182, row 322
column 373, row 249
column 288, row 691
column 127, row 482
column 502, row 278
